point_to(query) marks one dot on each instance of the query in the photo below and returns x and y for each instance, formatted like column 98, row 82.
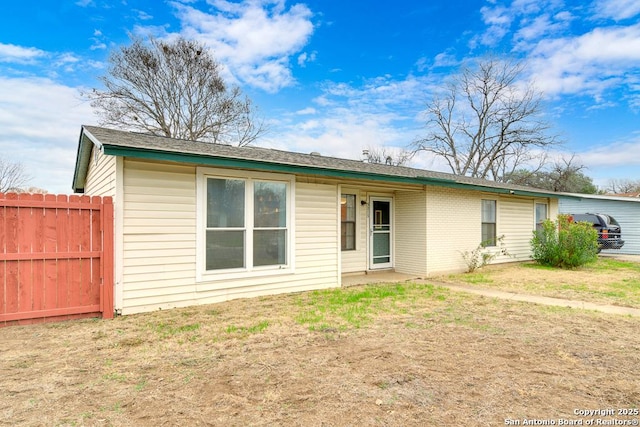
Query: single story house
column 200, row 223
column 626, row 211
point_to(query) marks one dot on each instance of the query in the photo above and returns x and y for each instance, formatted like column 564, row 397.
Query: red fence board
column 56, row 257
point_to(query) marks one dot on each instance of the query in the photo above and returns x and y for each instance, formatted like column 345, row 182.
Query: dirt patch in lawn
column 608, row 281
column 384, row 355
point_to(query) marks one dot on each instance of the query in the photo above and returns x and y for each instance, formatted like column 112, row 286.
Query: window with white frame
column 541, row 214
column 488, row 222
column 247, row 223
column 348, row 222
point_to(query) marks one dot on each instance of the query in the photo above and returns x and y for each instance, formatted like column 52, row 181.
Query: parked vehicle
column 609, row 231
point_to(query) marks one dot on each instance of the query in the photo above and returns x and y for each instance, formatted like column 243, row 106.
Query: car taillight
column 605, row 233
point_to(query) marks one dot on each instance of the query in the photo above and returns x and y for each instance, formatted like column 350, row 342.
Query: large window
column 488, row 222
column 269, row 223
column 226, row 228
column 246, row 223
column 348, row 221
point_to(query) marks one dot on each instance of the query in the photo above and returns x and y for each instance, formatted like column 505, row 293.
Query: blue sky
column 331, row 76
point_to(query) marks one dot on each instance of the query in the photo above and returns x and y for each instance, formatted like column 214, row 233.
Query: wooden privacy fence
column 56, row 257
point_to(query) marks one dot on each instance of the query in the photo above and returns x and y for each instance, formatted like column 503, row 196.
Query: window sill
column 240, row 275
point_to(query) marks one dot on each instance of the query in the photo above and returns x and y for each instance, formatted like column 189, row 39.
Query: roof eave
column 207, row 160
column 86, row 143
column 598, row 197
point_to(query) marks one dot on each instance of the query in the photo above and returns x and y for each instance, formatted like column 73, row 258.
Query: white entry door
column 380, row 233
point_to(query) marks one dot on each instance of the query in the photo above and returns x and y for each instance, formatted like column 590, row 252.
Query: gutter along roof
column 145, row 146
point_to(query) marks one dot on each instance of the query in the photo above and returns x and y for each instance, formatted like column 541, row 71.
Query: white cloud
column 98, row 46
column 306, row 111
column 381, row 94
column 617, row 9
column 97, row 41
column 144, row 16
column 499, row 21
column 540, row 26
column 65, row 59
column 532, row 18
column 40, row 121
column 588, row 64
column 380, row 112
column 305, row 58
column 445, row 59
column 613, row 154
column 599, row 63
column 254, row 39
column 342, row 133
column 19, row 54
column 614, row 160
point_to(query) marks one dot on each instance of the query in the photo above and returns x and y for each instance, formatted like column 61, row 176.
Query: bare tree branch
column 387, row 156
column 622, row 186
column 12, row 176
column 174, row 89
column 485, row 124
column 563, row 175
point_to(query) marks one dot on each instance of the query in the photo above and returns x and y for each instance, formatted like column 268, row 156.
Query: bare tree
column 393, row 157
column 174, row 89
column 566, row 175
column 485, row 124
column 620, row 186
column 12, row 176
column 31, row 190
column 563, row 175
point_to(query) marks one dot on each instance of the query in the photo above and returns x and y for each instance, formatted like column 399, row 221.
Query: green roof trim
column 158, row 148
column 83, row 157
column 205, row 160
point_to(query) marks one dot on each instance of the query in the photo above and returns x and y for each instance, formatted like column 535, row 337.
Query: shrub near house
column 608, row 229
column 564, row 243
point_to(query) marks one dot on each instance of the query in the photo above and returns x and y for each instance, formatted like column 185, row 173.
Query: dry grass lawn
column 386, row 355
column 607, row 281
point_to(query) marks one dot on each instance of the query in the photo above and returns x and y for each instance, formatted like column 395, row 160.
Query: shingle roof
column 132, row 144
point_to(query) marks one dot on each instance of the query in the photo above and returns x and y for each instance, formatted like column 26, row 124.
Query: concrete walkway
column 535, row 299
column 391, row 277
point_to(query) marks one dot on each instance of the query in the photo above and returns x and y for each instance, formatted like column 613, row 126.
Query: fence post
column 106, row 302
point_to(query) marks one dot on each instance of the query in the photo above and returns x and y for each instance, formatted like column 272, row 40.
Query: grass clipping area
column 385, row 355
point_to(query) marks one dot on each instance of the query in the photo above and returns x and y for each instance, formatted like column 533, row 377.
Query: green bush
column 565, row 244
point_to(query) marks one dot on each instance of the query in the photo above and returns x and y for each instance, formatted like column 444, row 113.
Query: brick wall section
column 453, row 226
column 410, row 233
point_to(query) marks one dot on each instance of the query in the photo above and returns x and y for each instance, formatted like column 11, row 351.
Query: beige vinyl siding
column 159, row 235
column 411, row 233
column 101, row 176
column 159, row 242
column 317, row 247
column 453, row 226
column 553, row 209
column 356, row 260
column 317, row 233
column 516, row 222
column 160, row 231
